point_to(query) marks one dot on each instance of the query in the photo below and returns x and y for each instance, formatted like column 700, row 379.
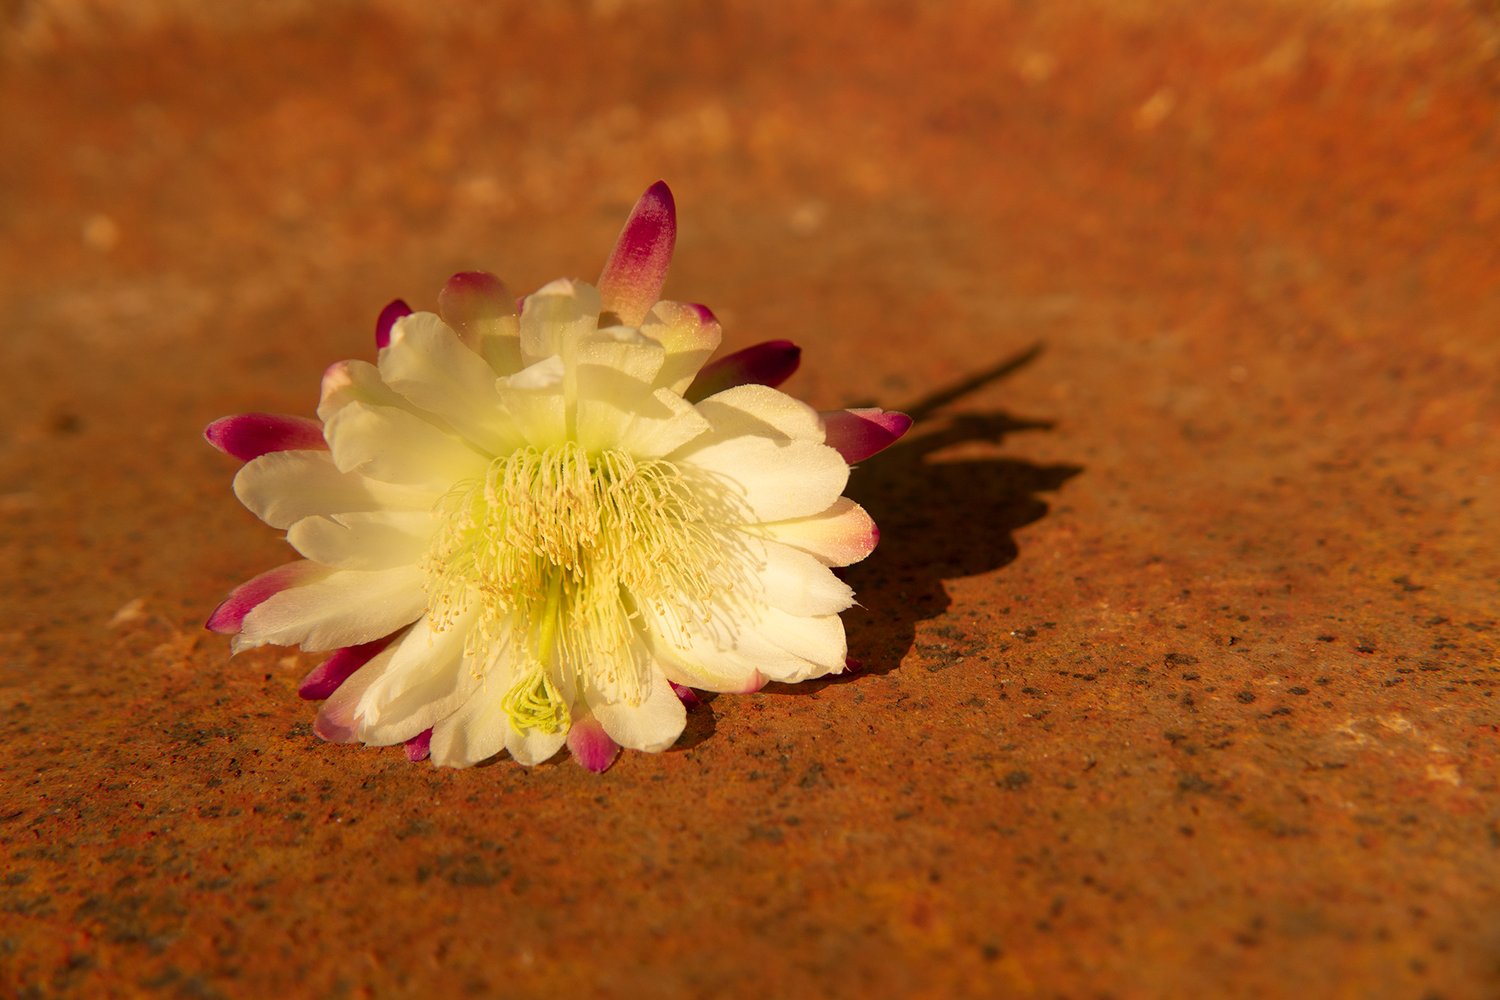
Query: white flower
column 525, row 530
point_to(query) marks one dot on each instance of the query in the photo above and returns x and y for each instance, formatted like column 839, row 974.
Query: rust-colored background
column 1181, row 642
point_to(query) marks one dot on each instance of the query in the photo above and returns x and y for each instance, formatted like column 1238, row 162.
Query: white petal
column 796, row 582
column 348, row 382
column 817, row 639
column 476, row 731
column 690, row 335
column 652, row 726
column 369, row 540
column 428, row 680
column 532, row 746
column 337, row 721
column 618, row 411
column 556, row 318
column 767, row 481
column 624, row 349
column 841, row 535
column 395, row 446
column 428, row 365
column 761, row 411
column 283, row 487
column 345, row 608
column 534, row 399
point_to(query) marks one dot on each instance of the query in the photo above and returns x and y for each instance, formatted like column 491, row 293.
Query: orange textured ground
column 1182, row 636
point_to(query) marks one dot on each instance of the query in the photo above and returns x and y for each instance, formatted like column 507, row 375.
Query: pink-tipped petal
column 419, row 747
column 251, row 435
column 326, row 678
column 853, row 666
column 335, row 723
column 858, row 434
column 394, row 310
column 770, row 363
column 472, row 302
column 591, row 745
column 637, row 269
column 686, row 695
column 230, row 615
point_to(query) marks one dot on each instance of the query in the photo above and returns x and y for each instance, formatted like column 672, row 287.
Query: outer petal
column 348, row 382
column 762, row 480
column 841, row 535
column 428, row 365
column 251, row 435
column 366, row 540
column 770, row 363
column 283, row 487
column 427, row 681
column 653, row 725
column 689, row 333
column 858, row 434
column 336, row 720
column 799, row 584
column 591, row 746
column 476, row 731
column 637, row 269
column 344, row 608
column 533, row 746
column 328, row 676
column 761, row 411
column 556, row 318
column 477, row 305
column 230, row 614
column 394, row 446
column 392, row 312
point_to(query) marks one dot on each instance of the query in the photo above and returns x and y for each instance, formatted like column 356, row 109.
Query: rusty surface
column 1181, row 641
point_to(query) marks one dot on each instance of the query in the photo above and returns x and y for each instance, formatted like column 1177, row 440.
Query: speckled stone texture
column 1181, row 641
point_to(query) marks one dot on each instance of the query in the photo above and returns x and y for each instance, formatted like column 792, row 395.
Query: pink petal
column 230, row 615
column 326, row 677
column 419, row 746
column 251, row 435
column 591, row 745
column 858, row 434
column 853, row 666
column 637, row 269
column 394, row 310
column 771, row 363
column 686, row 695
column 472, row 299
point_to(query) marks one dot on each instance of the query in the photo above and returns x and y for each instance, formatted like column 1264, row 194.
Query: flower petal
column 328, row 676
column 344, row 608
column 229, row 616
column 285, row 486
column 798, row 583
column 841, row 535
column 427, row 681
column 764, row 480
column 591, row 746
column 652, row 726
column 556, row 318
column 419, row 747
column 686, row 695
column 391, row 445
column 761, row 411
column 476, row 731
column 346, row 382
column 637, row 268
column 336, row 721
column 251, row 435
column 428, row 366
column 690, row 334
column 364, row 540
column 533, row 746
column 858, row 434
column 393, row 311
column 770, row 363
column 479, row 307
column 617, row 411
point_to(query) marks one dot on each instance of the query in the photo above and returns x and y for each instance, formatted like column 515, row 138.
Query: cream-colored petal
column 283, row 487
column 431, row 368
column 652, row 725
column 367, row 540
column 395, row 446
column 533, row 746
column 533, row 398
column 616, row 411
column 761, row 411
column 476, row 731
column 690, row 335
column 841, row 535
column 556, row 319
column 623, row 349
column 345, row 608
column 762, row 480
column 798, row 583
column 337, row 721
column 348, row 382
column 428, row 679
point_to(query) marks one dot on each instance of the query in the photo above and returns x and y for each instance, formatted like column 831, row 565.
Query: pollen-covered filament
column 560, row 550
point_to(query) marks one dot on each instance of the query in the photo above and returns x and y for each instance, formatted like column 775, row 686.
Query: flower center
column 560, row 550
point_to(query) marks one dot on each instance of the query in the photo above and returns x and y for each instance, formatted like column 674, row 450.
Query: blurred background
column 1180, row 642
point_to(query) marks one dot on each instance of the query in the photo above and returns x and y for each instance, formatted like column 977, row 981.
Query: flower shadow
column 940, row 518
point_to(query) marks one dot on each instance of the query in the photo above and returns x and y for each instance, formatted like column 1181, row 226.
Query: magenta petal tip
column 686, row 695
column 327, row 677
column 472, row 299
column 770, row 363
column 248, row 436
column 229, row 616
column 858, row 434
column 419, row 747
column 394, row 310
column 591, row 745
column 636, row 270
